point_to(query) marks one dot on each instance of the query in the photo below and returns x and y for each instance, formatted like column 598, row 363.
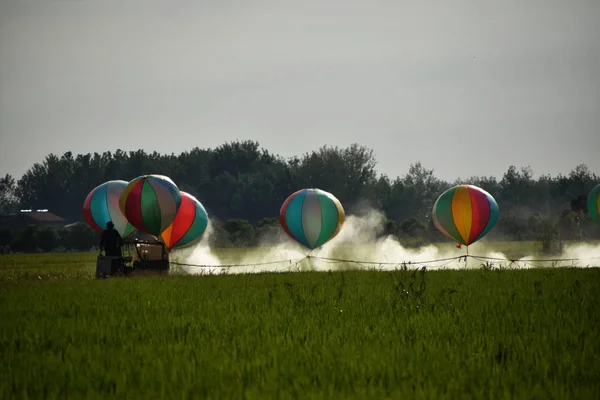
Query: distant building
column 25, row 218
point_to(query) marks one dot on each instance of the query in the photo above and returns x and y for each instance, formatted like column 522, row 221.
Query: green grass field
column 486, row 334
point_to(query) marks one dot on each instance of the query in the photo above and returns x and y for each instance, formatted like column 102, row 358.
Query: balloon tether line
column 328, row 259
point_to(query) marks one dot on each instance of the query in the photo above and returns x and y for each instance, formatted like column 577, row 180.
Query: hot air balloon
column 189, row 224
column 312, row 217
column 150, row 203
column 593, row 203
column 102, row 205
column 465, row 213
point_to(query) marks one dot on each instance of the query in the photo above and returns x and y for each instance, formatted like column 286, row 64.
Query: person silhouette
column 111, row 241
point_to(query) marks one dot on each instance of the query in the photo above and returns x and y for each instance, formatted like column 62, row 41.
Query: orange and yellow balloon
column 465, row 213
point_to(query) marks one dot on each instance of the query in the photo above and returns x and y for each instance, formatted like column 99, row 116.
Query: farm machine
column 142, row 254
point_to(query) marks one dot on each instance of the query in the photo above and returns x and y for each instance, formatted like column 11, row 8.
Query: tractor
column 142, row 254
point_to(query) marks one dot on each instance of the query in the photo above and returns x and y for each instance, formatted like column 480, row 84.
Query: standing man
column 111, row 241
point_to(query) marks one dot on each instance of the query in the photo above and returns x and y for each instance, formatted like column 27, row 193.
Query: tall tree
column 8, row 195
column 347, row 173
column 421, row 188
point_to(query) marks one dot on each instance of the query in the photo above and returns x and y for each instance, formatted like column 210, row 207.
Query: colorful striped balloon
column 465, row 213
column 150, row 203
column 102, row 206
column 312, row 217
column 593, row 203
column 189, row 224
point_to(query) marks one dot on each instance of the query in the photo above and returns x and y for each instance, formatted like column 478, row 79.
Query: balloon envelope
column 150, row 203
column 189, row 224
column 465, row 213
column 102, row 205
column 312, row 217
column 593, row 203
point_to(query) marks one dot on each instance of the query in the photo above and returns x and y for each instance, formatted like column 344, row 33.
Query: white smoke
column 360, row 239
column 360, row 245
column 197, row 259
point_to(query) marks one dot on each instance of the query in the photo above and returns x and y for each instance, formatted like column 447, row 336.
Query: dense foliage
column 241, row 182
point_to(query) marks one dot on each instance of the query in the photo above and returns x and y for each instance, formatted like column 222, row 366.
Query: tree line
column 243, row 185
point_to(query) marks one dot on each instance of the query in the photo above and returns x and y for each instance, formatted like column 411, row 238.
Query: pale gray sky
column 466, row 87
